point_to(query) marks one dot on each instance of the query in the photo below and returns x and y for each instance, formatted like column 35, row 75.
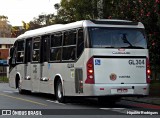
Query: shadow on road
column 81, row 101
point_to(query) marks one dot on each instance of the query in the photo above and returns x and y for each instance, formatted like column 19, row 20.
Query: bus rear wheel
column 59, row 92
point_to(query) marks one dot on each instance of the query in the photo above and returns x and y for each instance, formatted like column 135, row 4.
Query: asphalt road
column 37, row 104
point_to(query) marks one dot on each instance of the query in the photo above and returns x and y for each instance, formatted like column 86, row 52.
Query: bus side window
column 80, row 43
column 55, row 49
column 55, row 54
column 69, row 53
column 20, row 51
column 12, row 56
column 44, row 48
column 36, row 50
column 69, row 45
column 28, row 50
column 69, row 38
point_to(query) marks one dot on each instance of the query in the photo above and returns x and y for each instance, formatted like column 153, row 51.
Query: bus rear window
column 117, row 38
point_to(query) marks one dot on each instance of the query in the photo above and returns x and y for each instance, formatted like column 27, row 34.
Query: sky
column 25, row 10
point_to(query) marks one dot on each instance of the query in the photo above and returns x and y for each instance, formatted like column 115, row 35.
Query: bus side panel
column 46, row 82
column 20, row 71
column 67, row 72
column 12, row 75
column 79, row 75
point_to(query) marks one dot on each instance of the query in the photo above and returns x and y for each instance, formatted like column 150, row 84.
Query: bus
column 106, row 59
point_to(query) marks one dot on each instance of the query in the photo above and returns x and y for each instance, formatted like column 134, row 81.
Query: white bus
column 107, row 59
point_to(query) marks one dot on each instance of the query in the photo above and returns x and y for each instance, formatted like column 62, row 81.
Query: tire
column 59, row 92
column 20, row 90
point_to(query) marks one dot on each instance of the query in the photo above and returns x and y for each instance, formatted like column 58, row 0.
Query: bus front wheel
column 59, row 92
column 20, row 90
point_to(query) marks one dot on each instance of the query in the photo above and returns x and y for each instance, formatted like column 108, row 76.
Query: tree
column 25, row 25
column 74, row 10
column 41, row 21
column 5, row 27
column 3, row 17
column 16, row 31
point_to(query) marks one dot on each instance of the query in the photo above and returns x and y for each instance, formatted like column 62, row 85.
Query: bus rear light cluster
column 148, row 72
column 90, row 71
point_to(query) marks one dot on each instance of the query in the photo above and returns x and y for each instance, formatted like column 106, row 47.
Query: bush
column 4, row 79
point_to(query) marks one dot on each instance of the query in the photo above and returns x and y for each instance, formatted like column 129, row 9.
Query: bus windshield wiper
column 104, row 47
column 125, row 40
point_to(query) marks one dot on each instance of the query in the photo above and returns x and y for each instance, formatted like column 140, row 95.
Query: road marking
column 113, row 108
column 8, row 91
column 23, row 99
column 55, row 102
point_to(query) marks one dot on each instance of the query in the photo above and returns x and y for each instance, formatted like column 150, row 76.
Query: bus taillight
column 90, row 72
column 148, row 72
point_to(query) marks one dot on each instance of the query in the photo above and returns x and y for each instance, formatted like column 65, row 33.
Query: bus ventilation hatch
column 79, row 80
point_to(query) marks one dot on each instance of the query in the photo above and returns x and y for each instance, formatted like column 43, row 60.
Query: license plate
column 122, row 90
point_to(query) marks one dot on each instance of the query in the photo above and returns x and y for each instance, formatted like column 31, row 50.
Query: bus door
column 36, row 66
column 27, row 68
column 45, row 66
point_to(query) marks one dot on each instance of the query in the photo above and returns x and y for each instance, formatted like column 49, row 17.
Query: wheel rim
column 59, row 90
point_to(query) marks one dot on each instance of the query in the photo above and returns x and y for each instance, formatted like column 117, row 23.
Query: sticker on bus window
column 97, row 62
column 49, row 65
column 72, row 73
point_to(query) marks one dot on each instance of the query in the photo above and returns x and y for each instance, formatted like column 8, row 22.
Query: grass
column 155, row 84
column 155, row 89
column 155, row 81
column 3, row 79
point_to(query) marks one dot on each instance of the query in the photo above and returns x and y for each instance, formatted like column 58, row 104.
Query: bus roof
column 83, row 23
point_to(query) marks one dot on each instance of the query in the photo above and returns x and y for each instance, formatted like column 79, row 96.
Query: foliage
column 2, row 17
column 3, row 79
column 25, row 25
column 16, row 31
column 5, row 27
column 74, row 10
column 41, row 21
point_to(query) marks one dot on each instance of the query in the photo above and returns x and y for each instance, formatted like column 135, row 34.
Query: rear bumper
column 123, row 90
